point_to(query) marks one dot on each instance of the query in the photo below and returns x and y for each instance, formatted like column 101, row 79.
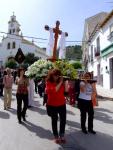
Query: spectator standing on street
column 85, row 104
column 56, row 104
column 8, row 82
column 22, row 94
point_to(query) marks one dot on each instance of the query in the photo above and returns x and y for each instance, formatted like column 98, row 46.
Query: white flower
column 39, row 68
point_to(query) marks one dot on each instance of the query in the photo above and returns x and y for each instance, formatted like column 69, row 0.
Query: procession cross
column 56, row 32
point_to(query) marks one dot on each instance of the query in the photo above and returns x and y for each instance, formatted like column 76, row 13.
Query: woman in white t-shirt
column 85, row 104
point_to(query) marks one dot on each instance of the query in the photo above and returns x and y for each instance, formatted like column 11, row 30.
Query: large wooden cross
column 57, row 32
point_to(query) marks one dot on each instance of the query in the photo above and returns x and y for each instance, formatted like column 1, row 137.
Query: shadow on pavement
column 41, row 132
column 43, row 111
column 14, row 94
column 70, row 112
column 13, row 111
column 103, row 110
column 36, row 103
column 44, row 133
column 72, row 144
column 101, row 116
column 39, row 110
column 4, row 115
column 100, row 141
column 2, row 98
column 73, row 124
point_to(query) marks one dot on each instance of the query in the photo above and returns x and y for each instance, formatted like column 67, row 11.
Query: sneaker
column 92, row 131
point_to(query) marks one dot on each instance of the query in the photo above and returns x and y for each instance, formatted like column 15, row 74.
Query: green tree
column 11, row 64
column 77, row 65
column 30, row 58
column 74, row 52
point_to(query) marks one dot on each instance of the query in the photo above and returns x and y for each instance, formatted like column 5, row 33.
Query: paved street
column 36, row 134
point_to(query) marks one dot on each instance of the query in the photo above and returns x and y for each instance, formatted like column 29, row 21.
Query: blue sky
column 33, row 15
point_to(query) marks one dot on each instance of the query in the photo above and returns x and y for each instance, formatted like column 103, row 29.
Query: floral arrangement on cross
column 40, row 68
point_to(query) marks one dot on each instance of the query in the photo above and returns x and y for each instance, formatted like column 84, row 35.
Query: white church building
column 14, row 40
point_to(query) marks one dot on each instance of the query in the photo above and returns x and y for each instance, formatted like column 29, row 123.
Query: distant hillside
column 74, row 52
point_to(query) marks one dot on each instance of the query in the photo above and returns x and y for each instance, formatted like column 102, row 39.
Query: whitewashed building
column 14, row 40
column 89, row 26
column 100, row 52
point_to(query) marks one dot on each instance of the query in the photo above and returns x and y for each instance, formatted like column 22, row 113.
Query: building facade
column 14, row 40
column 100, row 52
column 90, row 25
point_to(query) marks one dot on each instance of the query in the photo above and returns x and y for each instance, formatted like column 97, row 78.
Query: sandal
column 57, row 140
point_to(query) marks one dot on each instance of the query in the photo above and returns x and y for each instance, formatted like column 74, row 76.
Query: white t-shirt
column 86, row 95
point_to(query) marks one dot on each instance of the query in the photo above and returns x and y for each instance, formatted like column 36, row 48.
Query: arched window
column 8, row 46
column 13, row 45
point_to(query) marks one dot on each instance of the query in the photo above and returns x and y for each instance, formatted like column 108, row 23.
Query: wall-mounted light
column 107, row 71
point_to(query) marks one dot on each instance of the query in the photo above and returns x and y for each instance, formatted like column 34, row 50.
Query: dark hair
column 5, row 72
column 52, row 73
column 19, row 70
column 88, row 73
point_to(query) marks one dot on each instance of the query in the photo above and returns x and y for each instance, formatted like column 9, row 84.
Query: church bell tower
column 13, row 26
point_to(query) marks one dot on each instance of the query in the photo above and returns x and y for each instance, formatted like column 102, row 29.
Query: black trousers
column 86, row 107
column 53, row 112
column 1, row 89
column 21, row 111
